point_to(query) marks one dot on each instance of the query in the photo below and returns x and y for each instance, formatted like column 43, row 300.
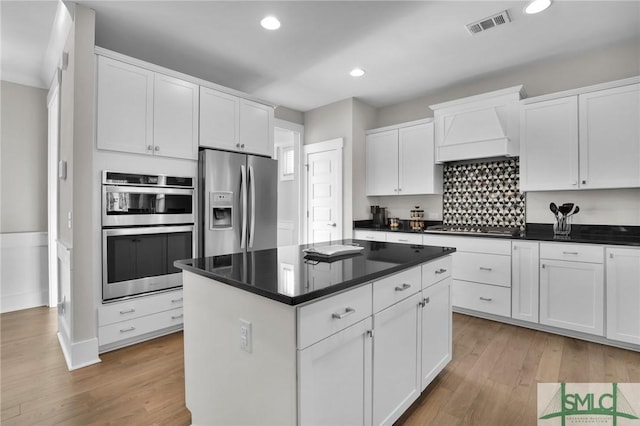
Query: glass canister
column 417, row 216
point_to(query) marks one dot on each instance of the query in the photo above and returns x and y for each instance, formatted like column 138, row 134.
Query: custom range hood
column 481, row 126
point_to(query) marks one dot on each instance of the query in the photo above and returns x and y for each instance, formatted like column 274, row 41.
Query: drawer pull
column 348, row 311
column 404, row 287
column 441, row 271
column 403, row 240
column 176, row 300
column 426, row 300
column 570, row 252
column 482, row 268
column 174, row 317
column 126, row 330
column 486, row 299
column 127, row 311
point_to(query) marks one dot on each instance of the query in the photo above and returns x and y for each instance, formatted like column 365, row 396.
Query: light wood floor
column 491, row 380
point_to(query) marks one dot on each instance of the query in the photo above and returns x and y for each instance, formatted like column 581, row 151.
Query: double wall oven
column 147, row 224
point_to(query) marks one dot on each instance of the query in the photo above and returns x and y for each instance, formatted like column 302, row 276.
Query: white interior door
column 323, row 163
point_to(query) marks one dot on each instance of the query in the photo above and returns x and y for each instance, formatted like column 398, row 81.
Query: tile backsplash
column 483, row 194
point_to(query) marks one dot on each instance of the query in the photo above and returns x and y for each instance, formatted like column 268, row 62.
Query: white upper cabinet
column 143, row 112
column 583, row 139
column 175, row 118
column 125, row 107
column 382, row 163
column 549, row 152
column 480, row 126
column 218, row 119
column 610, row 138
column 400, row 160
column 231, row 123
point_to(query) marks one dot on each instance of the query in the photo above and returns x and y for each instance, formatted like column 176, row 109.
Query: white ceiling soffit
column 408, row 48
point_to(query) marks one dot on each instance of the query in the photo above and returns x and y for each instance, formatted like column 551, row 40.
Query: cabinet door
column 623, row 295
column 256, row 128
column 549, row 150
column 418, row 173
column 334, row 378
column 524, row 280
column 396, row 360
column 175, row 118
column 572, row 296
column 436, row 325
column 382, row 163
column 218, row 119
column 125, row 107
column 610, row 138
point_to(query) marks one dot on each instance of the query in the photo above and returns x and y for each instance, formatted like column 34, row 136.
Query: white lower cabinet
column 334, row 381
column 623, row 294
column 361, row 234
column 525, row 257
column 572, row 292
column 396, row 360
column 435, row 329
column 133, row 320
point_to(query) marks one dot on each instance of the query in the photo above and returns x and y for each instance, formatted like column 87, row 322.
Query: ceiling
column 408, row 49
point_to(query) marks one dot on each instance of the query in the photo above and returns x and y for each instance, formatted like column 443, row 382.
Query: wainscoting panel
column 25, row 271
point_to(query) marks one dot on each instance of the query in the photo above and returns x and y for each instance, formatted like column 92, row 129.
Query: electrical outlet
column 245, row 335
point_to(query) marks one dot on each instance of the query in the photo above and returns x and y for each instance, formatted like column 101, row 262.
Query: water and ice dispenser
column 221, row 210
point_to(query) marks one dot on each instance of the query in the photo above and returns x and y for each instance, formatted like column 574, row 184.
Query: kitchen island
column 275, row 337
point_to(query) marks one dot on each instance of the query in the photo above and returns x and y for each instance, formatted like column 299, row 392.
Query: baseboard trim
column 79, row 354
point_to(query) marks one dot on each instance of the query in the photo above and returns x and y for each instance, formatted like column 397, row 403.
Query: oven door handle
column 146, row 190
column 243, row 200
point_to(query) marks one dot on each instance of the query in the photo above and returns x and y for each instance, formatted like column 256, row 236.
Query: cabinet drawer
column 390, row 290
column 483, row 268
column 136, row 327
column 482, row 297
column 404, row 238
column 435, row 271
column 475, row 245
column 328, row 316
column 138, row 307
column 572, row 252
column 369, row 235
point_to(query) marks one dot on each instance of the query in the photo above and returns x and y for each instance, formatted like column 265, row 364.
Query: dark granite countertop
column 283, row 273
column 586, row 234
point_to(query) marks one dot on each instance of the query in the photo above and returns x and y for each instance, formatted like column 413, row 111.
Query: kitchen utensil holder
column 562, row 225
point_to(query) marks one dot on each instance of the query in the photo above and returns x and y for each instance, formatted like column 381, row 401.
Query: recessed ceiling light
column 357, row 72
column 536, row 6
column 270, row 23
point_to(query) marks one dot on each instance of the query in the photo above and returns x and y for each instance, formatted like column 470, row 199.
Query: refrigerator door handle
column 243, row 200
column 252, row 190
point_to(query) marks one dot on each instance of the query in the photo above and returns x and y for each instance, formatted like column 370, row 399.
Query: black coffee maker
column 379, row 216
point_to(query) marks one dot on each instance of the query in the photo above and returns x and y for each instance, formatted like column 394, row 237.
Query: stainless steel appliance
column 379, row 216
column 238, row 202
column 474, row 229
column 147, row 223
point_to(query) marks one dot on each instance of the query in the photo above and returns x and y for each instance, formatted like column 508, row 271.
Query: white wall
column 23, row 153
column 617, row 207
column 24, row 278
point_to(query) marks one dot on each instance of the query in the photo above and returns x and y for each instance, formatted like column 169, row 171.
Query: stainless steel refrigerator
column 238, row 202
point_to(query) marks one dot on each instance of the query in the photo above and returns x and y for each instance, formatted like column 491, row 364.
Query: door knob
column 332, row 224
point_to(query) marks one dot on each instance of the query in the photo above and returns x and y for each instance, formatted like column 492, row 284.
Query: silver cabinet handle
column 348, row 311
column 440, row 271
column 157, row 148
column 332, row 224
column 241, row 145
column 543, row 266
column 403, row 240
column 176, row 300
column 482, row 268
column 126, row 330
column 404, row 287
column 237, row 145
column 570, row 252
column 486, row 299
column 584, row 182
column 127, row 311
column 424, row 302
column 149, row 147
column 174, row 317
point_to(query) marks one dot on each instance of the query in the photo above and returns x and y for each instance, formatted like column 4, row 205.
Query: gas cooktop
column 505, row 231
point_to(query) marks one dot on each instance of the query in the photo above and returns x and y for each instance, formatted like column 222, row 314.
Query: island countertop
column 287, row 275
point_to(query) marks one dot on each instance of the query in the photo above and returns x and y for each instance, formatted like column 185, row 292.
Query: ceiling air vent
column 488, row 23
